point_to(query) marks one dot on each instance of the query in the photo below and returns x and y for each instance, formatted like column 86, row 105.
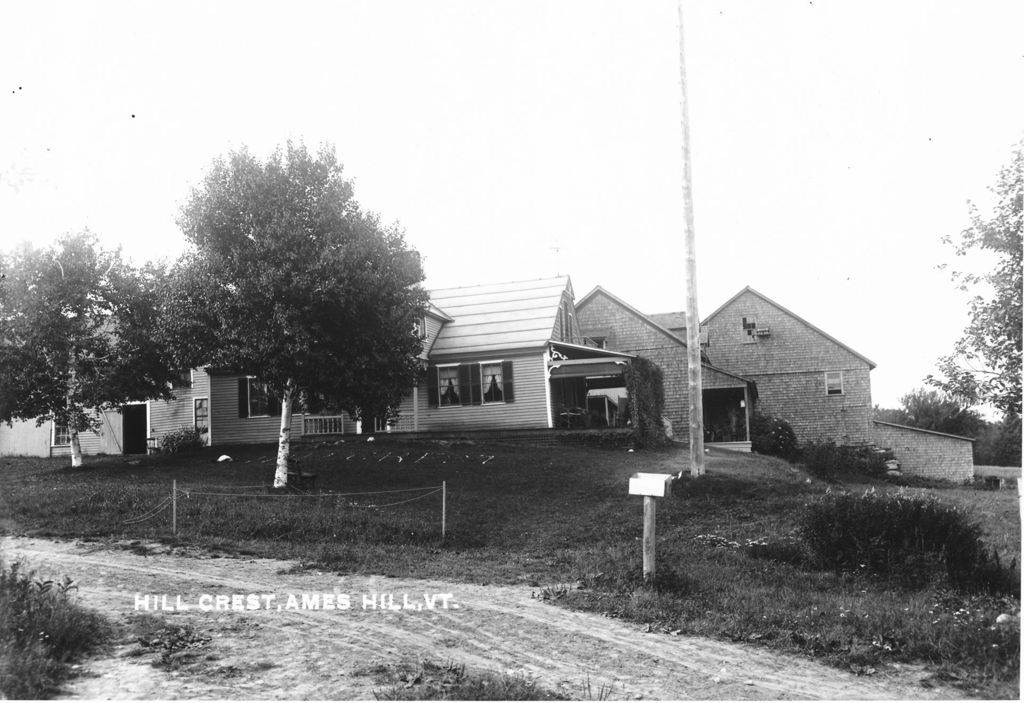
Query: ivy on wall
column 646, row 389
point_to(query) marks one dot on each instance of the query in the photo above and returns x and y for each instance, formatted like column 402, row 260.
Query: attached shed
column 926, row 453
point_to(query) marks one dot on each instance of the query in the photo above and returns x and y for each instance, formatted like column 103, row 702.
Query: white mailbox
column 654, row 485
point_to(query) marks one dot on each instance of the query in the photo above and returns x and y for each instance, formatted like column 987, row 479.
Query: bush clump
column 183, row 439
column 904, row 537
column 827, row 459
column 773, row 436
column 41, row 632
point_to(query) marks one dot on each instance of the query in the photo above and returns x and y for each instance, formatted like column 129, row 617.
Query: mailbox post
column 650, row 486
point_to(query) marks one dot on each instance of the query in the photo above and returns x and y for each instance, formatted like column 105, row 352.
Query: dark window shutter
column 432, row 395
column 464, row 384
column 243, row 397
column 506, row 381
column 476, row 394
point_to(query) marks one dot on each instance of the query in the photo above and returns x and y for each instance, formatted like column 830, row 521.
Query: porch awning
column 587, row 368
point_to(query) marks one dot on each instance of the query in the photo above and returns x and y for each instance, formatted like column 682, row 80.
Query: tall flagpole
column 692, row 320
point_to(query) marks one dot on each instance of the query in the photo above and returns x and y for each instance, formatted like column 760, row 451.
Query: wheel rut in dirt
column 279, row 651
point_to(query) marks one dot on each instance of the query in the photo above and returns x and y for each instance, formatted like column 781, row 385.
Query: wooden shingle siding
column 228, row 428
column 800, row 400
column 927, row 454
column 789, row 364
column 627, row 332
column 527, row 411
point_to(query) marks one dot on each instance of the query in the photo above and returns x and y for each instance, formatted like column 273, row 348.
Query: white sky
column 834, row 143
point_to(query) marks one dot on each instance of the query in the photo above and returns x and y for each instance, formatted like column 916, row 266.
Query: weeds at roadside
column 429, row 681
column 42, row 632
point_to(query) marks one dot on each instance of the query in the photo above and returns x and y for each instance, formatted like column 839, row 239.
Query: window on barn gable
column 749, row 330
column 833, row 383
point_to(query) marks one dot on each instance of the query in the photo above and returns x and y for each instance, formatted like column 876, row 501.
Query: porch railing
column 323, row 424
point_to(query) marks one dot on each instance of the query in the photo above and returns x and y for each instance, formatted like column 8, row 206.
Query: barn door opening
column 133, row 423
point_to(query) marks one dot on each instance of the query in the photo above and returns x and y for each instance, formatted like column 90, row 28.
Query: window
column 255, row 399
column 201, row 414
column 420, row 328
column 61, row 435
column 448, row 385
column 600, row 342
column 476, row 383
column 749, row 330
column 833, row 383
column 490, row 374
column 182, row 379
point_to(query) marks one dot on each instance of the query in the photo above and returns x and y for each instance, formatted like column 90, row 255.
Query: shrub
column 904, row 537
column 183, row 439
column 827, row 459
column 773, row 437
column 41, row 631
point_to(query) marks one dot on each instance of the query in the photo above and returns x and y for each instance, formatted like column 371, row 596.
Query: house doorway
column 133, row 429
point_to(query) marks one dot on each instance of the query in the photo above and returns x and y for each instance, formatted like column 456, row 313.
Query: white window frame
column 53, row 435
column 196, row 400
column 248, row 398
column 440, row 389
column 842, row 388
column 497, row 363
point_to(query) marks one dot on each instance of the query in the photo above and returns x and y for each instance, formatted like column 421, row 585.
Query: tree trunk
column 76, row 447
column 284, row 442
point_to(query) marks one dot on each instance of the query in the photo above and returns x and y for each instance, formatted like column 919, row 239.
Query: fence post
column 174, row 507
column 444, row 508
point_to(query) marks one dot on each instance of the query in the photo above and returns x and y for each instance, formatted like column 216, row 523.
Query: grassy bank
column 559, row 519
column 42, row 633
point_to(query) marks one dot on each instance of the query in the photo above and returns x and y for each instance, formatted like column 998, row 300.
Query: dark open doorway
column 725, row 415
column 133, row 427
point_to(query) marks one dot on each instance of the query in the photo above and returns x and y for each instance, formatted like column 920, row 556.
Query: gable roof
column 598, row 290
column 792, row 314
column 498, row 316
column 670, row 320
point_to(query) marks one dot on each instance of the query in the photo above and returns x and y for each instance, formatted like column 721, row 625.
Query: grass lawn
column 559, row 519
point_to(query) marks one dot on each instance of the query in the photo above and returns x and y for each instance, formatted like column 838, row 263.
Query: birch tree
column 287, row 279
column 76, row 335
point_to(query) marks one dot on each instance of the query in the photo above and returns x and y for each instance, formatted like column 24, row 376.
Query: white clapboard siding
column 528, row 410
column 228, row 428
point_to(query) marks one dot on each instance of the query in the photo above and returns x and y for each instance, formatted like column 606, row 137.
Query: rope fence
column 237, row 492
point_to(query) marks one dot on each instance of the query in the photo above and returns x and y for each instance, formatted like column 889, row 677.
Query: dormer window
column 419, row 328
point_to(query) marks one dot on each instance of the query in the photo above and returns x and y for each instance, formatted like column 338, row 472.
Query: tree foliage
column 77, row 334
column 928, row 409
column 289, row 280
column 985, row 366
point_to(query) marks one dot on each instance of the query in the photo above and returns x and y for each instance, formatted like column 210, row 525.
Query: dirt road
column 276, row 646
